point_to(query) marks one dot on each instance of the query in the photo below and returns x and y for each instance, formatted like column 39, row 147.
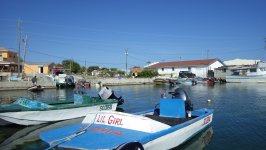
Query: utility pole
column 71, row 62
column 85, row 68
column 126, row 58
column 25, row 40
column 265, row 44
column 19, row 38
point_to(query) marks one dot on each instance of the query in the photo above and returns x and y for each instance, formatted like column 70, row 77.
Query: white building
column 199, row 67
column 240, row 62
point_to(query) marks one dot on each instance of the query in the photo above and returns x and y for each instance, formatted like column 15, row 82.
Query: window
column 253, row 70
column 173, row 69
column 162, row 69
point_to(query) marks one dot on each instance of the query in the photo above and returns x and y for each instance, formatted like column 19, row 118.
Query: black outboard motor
column 107, row 93
column 182, row 94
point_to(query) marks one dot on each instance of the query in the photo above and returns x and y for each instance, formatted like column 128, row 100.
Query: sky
column 98, row 32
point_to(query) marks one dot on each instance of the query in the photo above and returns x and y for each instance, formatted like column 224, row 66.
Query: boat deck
column 170, row 121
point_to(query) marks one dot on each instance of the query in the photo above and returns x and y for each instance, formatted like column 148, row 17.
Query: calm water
column 239, row 118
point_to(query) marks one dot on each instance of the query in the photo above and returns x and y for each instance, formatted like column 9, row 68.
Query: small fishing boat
column 165, row 127
column 187, row 81
column 25, row 111
column 207, row 81
column 83, row 83
column 36, row 88
column 165, row 81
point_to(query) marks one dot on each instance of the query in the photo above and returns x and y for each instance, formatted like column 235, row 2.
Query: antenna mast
column 19, row 38
column 25, row 40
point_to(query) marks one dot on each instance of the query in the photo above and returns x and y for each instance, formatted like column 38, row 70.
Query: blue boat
column 167, row 126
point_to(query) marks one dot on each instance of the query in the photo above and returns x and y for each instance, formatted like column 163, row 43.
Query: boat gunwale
column 177, row 127
column 20, row 108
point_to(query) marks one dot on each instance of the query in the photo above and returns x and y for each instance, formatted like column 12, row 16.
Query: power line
column 74, row 59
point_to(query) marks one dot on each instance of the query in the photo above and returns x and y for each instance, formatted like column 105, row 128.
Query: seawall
column 48, row 83
column 25, row 84
column 122, row 81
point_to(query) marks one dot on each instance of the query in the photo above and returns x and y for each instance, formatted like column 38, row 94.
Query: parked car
column 186, row 74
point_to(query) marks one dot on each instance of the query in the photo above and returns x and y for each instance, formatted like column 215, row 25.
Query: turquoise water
column 239, row 119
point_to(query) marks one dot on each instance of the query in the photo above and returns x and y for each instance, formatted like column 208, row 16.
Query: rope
column 55, row 143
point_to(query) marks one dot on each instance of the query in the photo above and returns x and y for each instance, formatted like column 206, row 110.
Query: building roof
column 190, row 63
column 7, row 63
column 136, row 69
column 6, row 50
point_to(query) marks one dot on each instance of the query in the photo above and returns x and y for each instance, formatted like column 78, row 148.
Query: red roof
column 184, row 63
column 136, row 70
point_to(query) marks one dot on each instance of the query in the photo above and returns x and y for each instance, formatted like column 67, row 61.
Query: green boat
column 25, row 111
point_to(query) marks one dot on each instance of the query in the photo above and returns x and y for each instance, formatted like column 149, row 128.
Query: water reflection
column 198, row 142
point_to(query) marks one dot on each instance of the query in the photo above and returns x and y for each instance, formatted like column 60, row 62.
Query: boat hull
column 36, row 88
column 45, row 116
column 179, row 135
column 246, row 79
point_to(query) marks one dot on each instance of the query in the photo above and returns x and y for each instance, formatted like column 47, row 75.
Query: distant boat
column 162, row 128
column 207, row 81
column 247, row 74
column 26, row 111
column 187, row 81
column 165, row 81
column 83, row 83
column 64, row 81
column 36, row 88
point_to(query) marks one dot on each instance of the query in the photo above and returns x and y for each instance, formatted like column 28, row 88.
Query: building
column 30, row 69
column 135, row 71
column 240, row 62
column 8, row 63
column 201, row 68
column 236, row 65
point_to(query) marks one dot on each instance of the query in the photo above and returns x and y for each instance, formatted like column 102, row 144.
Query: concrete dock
column 48, row 83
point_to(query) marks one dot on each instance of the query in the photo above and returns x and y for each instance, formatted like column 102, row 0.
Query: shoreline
column 24, row 85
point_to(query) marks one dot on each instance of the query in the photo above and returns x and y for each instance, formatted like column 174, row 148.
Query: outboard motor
column 107, row 93
column 182, row 94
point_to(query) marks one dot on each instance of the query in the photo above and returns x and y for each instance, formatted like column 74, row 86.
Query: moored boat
column 168, row 126
column 83, row 83
column 36, row 88
column 207, row 81
column 25, row 111
column 165, row 81
column 187, row 81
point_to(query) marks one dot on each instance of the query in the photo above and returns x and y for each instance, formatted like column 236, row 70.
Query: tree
column 82, row 70
column 52, row 65
column 91, row 68
column 113, row 69
column 148, row 73
column 136, row 67
column 72, row 65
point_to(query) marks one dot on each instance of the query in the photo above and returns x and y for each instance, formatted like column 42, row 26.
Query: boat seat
column 174, row 108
